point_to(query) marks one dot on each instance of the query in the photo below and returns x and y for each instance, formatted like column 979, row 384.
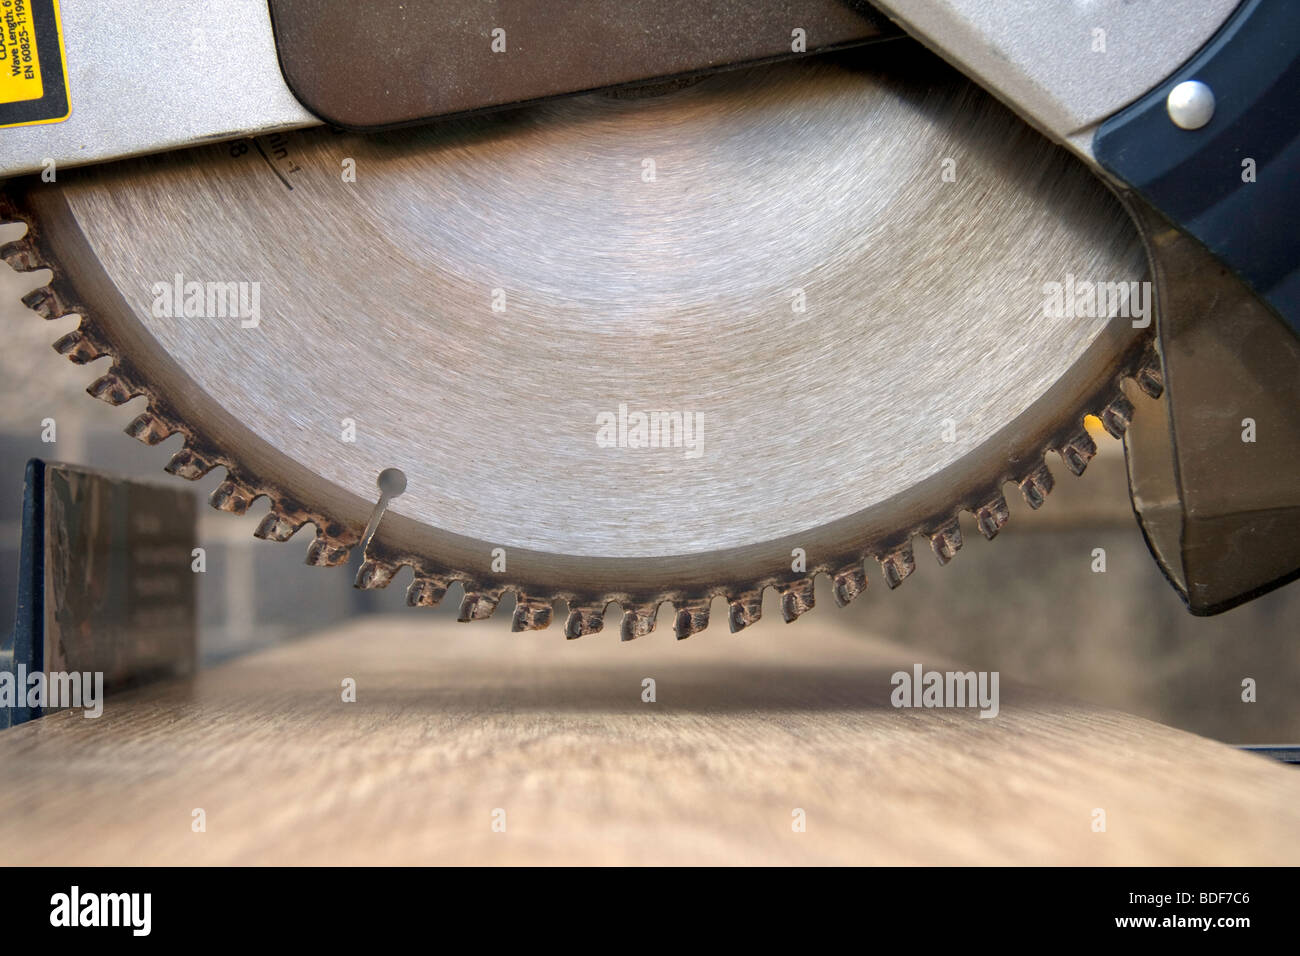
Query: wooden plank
column 452, row 722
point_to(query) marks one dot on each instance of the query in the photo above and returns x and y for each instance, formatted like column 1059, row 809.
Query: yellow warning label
column 33, row 68
column 20, row 64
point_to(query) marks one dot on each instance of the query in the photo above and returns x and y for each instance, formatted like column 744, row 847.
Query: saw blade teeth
column 946, row 541
column 849, row 582
column 44, row 303
column 897, row 565
column 531, row 614
column 275, row 526
column 1077, row 451
column 326, row 551
column 638, row 621
column 476, row 606
column 113, row 389
column 692, row 617
column 149, row 428
column 79, row 347
column 233, row 496
column 425, row 592
column 375, row 574
column 584, row 620
column 992, row 516
column 22, row 241
column 1151, row 378
column 1036, row 486
column 796, row 598
column 188, row 464
column 1117, row 416
column 744, row 609
column 20, row 256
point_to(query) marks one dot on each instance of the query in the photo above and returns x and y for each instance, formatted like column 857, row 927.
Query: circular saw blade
column 623, row 349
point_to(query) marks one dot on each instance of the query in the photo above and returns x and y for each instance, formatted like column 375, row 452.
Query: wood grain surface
column 453, row 722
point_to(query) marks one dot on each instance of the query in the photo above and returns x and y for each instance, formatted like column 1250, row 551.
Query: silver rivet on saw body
column 1190, row 104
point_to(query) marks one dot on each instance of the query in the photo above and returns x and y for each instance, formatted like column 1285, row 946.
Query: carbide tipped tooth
column 79, row 347
column 1077, row 451
column 531, row 614
column 992, row 516
column 638, row 621
column 326, row 552
column 375, row 574
column 231, row 495
column 476, row 606
column 19, row 256
column 44, row 302
column 744, row 609
column 849, row 583
column 1036, row 486
column 945, row 542
column 692, row 617
column 1117, row 416
column 796, row 598
column 276, row 527
column 897, row 565
column 1151, row 379
column 149, row 428
column 111, row 388
column 188, row 464
column 583, row 621
column 425, row 592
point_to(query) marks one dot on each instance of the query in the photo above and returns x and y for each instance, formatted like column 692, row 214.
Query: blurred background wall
column 1028, row 604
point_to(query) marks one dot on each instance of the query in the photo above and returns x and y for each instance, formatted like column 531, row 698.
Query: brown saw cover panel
column 392, row 62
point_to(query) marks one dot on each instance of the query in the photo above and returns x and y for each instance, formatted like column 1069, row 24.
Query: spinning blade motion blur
column 826, row 284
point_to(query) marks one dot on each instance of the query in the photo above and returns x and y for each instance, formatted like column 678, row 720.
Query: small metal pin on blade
column 391, row 483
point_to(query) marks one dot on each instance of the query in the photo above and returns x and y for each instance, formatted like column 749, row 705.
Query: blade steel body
column 921, row 374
